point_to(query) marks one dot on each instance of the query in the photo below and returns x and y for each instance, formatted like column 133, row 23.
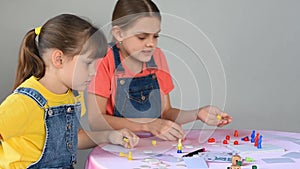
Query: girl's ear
column 57, row 58
column 117, row 32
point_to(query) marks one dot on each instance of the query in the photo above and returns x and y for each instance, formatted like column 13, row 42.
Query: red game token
column 225, row 142
column 236, row 143
column 211, row 140
column 236, row 133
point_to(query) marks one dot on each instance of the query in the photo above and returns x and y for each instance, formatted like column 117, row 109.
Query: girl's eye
column 89, row 62
column 141, row 37
column 156, row 36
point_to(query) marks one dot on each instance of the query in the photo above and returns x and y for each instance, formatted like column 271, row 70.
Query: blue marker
column 253, row 136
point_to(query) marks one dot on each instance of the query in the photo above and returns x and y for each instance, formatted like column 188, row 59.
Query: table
column 145, row 154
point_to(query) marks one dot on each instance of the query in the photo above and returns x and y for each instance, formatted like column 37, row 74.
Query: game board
column 164, row 154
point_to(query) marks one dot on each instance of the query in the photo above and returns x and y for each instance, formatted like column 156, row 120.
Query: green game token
column 248, row 159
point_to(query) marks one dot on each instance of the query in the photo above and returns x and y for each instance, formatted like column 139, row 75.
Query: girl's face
column 80, row 70
column 140, row 40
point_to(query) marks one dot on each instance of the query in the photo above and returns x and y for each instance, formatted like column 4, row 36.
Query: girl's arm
column 207, row 114
column 99, row 120
column 90, row 139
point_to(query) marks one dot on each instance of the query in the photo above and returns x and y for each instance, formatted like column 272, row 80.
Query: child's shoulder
column 16, row 102
column 158, row 53
column 159, row 57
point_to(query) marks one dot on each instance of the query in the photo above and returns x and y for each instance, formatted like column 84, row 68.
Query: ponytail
column 30, row 63
column 66, row 32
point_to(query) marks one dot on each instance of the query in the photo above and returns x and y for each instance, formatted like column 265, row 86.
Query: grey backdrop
column 239, row 55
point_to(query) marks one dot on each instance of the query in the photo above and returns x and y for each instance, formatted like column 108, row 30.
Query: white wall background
column 242, row 56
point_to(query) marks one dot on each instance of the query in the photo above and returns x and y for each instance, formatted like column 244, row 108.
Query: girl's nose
column 150, row 42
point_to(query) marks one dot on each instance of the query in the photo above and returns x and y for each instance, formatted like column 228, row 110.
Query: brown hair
column 127, row 12
column 66, row 32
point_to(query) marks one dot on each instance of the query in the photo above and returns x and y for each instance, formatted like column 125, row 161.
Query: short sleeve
column 163, row 74
column 101, row 83
column 14, row 116
column 81, row 98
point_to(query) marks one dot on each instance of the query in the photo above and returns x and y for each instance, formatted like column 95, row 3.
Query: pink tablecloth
column 144, row 153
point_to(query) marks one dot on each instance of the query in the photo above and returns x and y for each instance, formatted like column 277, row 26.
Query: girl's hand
column 123, row 137
column 213, row 116
column 165, row 129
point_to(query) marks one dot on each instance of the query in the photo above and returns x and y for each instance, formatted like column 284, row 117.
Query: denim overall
column 61, row 140
column 137, row 97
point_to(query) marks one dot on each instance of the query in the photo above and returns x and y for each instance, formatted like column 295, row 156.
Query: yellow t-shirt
column 22, row 124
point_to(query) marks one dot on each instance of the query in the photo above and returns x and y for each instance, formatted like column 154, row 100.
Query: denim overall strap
column 33, row 94
column 137, row 97
column 61, row 123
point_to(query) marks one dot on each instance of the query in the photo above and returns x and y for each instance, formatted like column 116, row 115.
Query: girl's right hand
column 165, row 129
column 119, row 136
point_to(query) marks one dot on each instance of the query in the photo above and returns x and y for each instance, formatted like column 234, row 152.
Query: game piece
column 211, row 140
column 245, row 138
column 219, row 117
column 235, row 142
column 239, row 163
column 121, row 154
column 179, row 146
column 254, row 167
column 153, row 142
column 125, row 139
column 259, row 142
column 235, row 167
column 129, row 155
column 225, row 142
column 227, row 137
column 235, row 159
column 236, row 133
column 253, row 136
column 248, row 159
column 256, row 140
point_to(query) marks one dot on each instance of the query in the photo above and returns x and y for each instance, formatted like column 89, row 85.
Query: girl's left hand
column 213, row 116
column 123, row 137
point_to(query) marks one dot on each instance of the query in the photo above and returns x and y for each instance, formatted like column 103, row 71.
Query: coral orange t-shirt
column 104, row 83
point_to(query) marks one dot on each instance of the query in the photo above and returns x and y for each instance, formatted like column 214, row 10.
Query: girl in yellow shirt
column 39, row 121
